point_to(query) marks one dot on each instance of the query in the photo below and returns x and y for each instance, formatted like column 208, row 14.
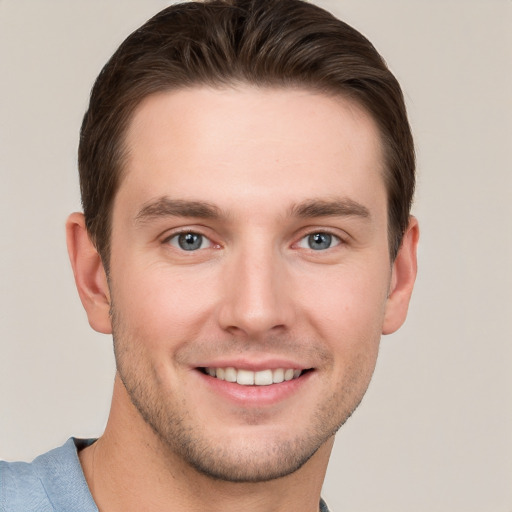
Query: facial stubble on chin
column 181, row 438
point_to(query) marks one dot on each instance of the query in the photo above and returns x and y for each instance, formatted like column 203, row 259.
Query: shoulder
column 323, row 506
column 20, row 488
column 52, row 482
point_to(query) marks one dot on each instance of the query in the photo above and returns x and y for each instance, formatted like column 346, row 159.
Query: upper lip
column 254, row 365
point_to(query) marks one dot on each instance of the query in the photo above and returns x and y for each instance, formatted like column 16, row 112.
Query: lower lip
column 255, row 396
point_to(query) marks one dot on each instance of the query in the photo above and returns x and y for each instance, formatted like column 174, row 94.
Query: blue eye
column 190, row 241
column 319, row 241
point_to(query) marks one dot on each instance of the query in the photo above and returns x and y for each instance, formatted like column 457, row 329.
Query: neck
column 129, row 469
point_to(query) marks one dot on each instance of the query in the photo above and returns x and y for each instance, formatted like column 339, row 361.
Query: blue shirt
column 53, row 482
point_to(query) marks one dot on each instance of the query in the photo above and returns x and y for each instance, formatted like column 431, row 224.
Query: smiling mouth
column 251, row 378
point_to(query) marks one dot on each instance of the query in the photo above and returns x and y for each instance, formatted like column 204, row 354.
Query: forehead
column 253, row 142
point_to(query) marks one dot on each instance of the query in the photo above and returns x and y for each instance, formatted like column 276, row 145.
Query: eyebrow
column 167, row 207
column 330, row 208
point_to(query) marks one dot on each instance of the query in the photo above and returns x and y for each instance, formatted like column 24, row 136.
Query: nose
column 257, row 294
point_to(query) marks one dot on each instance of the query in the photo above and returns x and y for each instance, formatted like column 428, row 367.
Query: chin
column 247, row 461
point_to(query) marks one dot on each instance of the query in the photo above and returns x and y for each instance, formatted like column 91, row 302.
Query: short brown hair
column 284, row 43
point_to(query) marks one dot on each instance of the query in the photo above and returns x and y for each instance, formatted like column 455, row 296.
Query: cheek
column 347, row 305
column 159, row 306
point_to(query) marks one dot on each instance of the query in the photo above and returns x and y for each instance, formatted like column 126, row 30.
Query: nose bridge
column 255, row 299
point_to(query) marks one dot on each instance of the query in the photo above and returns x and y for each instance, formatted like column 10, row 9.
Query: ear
column 90, row 277
column 402, row 280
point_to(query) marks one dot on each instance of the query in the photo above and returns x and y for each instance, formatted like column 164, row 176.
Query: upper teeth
column 250, row 378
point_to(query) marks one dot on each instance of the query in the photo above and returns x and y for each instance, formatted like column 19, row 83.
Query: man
column 246, row 171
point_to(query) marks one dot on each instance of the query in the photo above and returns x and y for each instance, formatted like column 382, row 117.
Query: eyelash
column 332, row 239
column 185, row 233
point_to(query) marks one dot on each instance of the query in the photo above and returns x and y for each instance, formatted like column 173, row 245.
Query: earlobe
column 90, row 277
column 402, row 280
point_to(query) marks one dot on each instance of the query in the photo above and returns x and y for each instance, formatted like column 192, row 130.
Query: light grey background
column 434, row 433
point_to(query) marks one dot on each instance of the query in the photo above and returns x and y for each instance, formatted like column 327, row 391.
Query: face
column 249, row 273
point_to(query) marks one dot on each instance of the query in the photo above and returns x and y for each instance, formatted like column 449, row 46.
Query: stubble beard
column 180, row 437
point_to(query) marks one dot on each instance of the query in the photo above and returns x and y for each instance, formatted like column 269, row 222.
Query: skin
column 255, row 172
